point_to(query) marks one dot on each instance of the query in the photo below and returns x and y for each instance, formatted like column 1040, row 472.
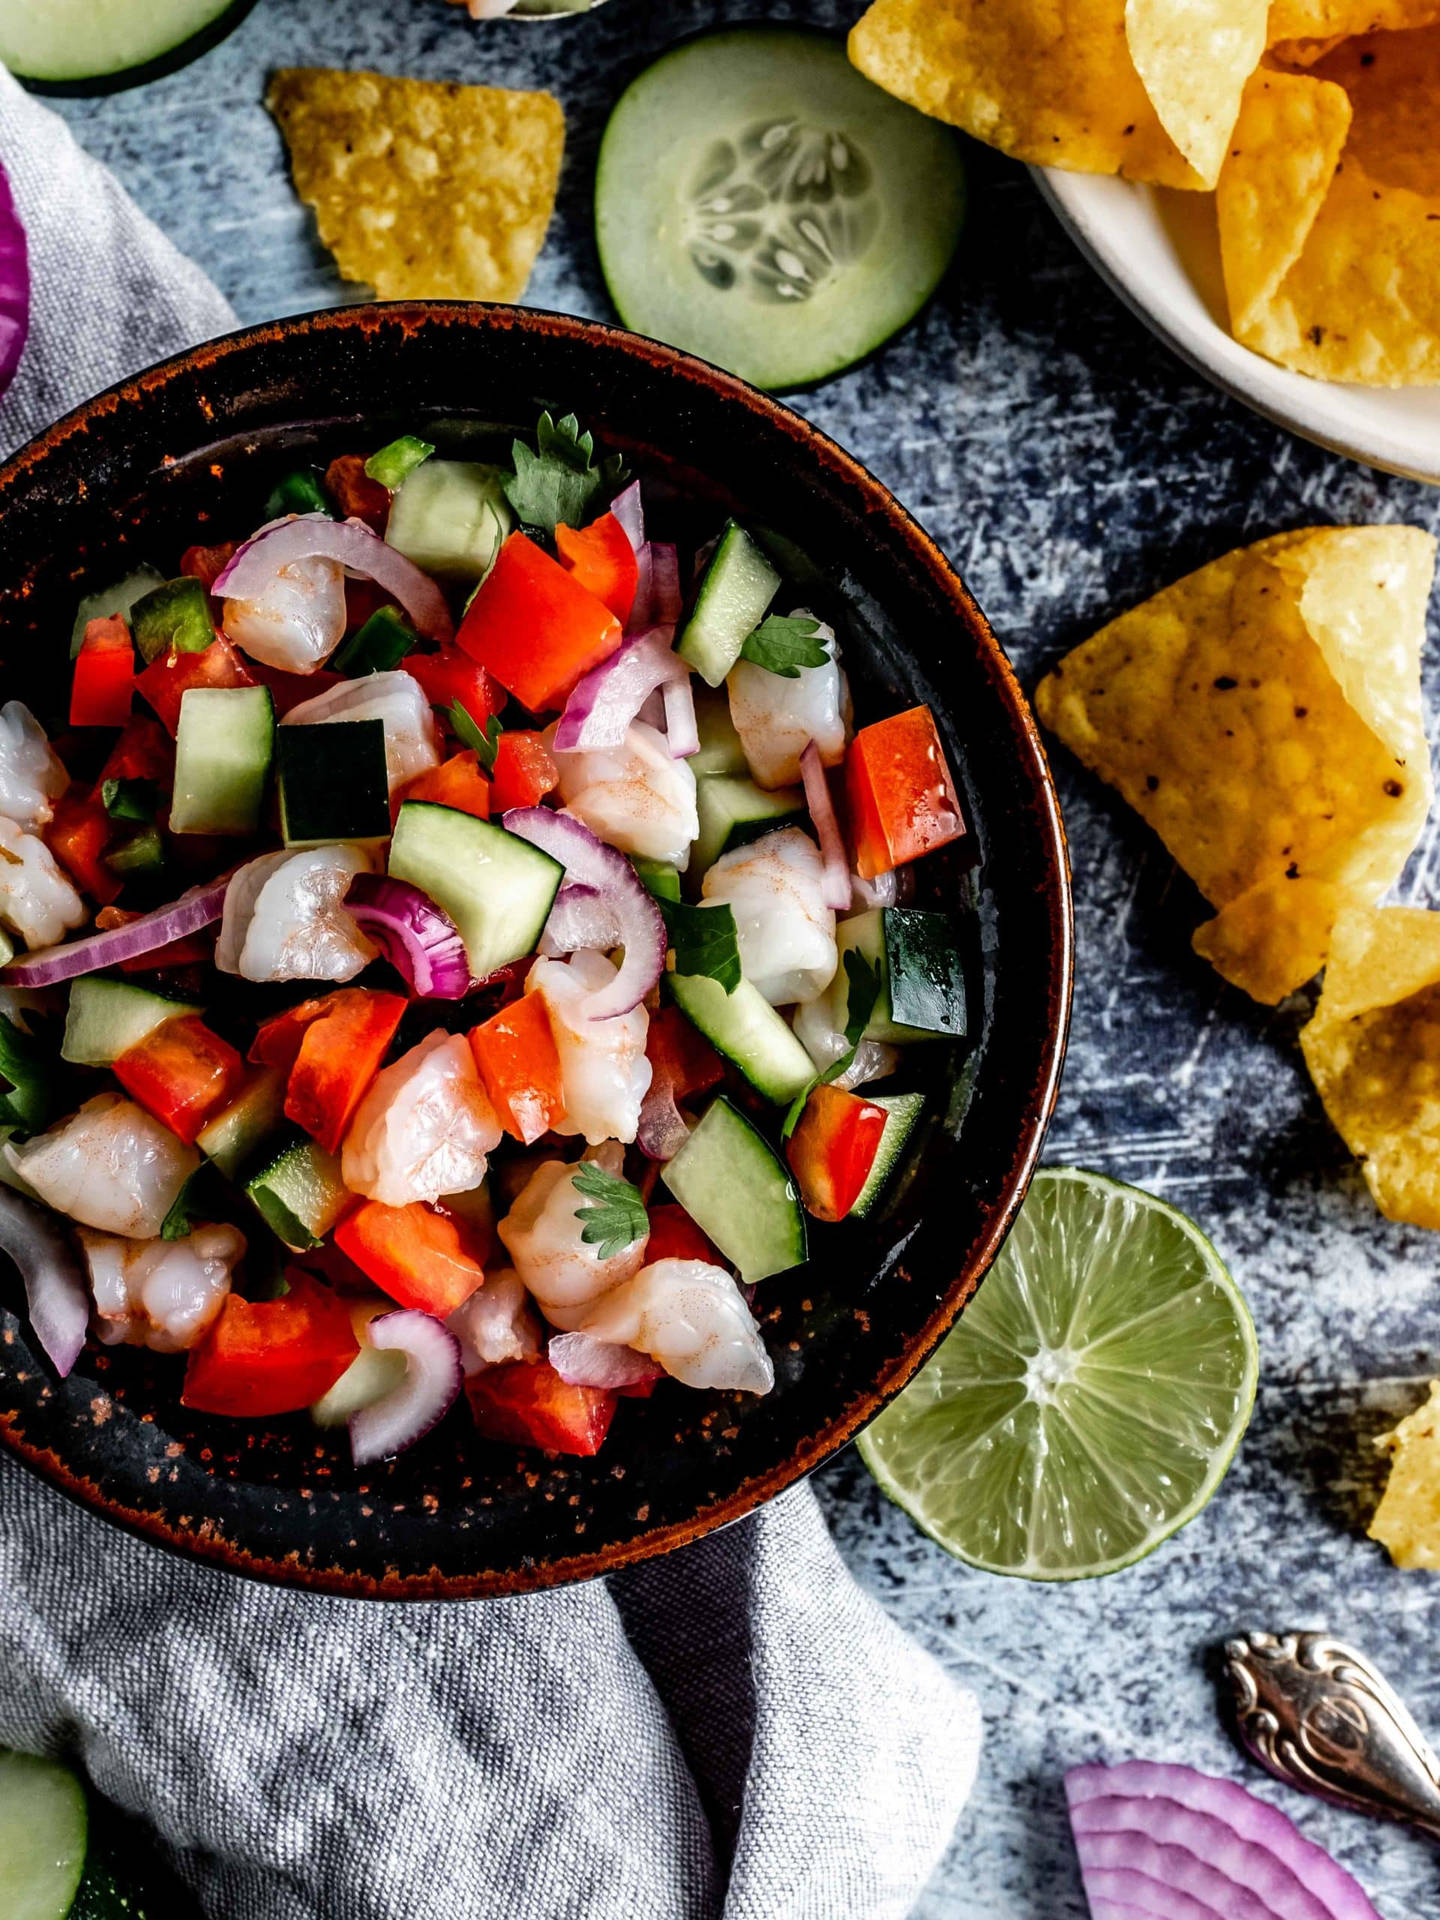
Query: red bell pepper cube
column 78, row 833
column 515, row 1053
column 287, row 690
column 419, row 1256
column 680, row 1055
column 447, row 675
column 340, row 1051
column 534, row 628
column 456, row 782
column 264, row 1357
column 171, row 675
column 900, row 792
column 833, row 1149
column 675, row 1236
column 356, row 494
column 601, row 558
column 182, row 1073
column 144, row 751
column 277, row 1040
column 524, row 771
column 206, row 564
column 102, row 684
column 527, row 1403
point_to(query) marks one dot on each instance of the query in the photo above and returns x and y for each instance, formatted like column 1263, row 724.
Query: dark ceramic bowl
column 186, row 453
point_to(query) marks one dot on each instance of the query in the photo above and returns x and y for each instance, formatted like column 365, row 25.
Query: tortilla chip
column 1407, row 1520
column 1263, row 714
column 1059, row 82
column 1329, row 214
column 423, row 189
column 1336, row 20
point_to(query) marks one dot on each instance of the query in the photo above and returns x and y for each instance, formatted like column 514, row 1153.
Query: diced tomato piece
column 355, row 493
column 144, row 751
column 681, row 1054
column 515, row 1053
column 182, row 1073
column 206, row 564
column 601, row 558
column 340, row 1051
column 524, row 771
column 526, row 1402
column 78, row 833
column 675, row 1236
column 900, row 792
column 534, row 627
column 103, row 680
column 456, row 782
column 446, row 675
column 172, row 674
column 833, row 1149
column 419, row 1256
column 287, row 690
column 272, row 1356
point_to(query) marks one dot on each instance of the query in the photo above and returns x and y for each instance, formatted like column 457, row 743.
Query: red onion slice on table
column 14, row 285
column 200, row 907
column 608, row 698
column 353, row 546
column 582, row 1361
column 56, row 1295
column 433, row 1379
column 590, row 863
column 418, row 938
column 835, row 884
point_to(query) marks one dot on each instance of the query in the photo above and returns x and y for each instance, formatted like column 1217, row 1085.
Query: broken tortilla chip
column 1329, row 214
column 1147, row 88
column 1407, row 1520
column 1303, row 31
column 1263, row 715
column 423, row 189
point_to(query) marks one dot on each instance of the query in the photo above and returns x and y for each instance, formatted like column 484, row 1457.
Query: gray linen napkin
column 736, row 1730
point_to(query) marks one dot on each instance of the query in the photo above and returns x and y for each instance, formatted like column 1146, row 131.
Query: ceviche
column 450, row 950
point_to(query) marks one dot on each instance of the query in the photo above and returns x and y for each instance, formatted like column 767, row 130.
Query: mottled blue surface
column 1069, row 466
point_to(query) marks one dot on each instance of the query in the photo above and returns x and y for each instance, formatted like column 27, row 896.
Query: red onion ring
column 629, row 510
column 418, row 938
column 432, row 1383
column 606, row 700
column 581, row 918
column 200, row 907
column 56, row 1294
column 835, row 885
column 353, row 546
column 682, row 730
column 582, row 1361
column 666, row 600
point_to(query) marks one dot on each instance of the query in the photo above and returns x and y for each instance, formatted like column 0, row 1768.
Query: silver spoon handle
column 1321, row 1718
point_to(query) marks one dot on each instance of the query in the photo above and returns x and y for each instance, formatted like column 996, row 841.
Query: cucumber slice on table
column 738, row 586
column 94, row 46
column 738, row 1190
column 44, row 1827
column 496, row 887
column 105, row 1018
column 761, row 203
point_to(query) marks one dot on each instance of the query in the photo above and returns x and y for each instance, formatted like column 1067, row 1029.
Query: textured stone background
column 1069, row 466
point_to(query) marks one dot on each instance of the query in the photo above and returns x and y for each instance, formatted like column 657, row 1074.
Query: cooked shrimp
column 692, row 1319
column 775, row 887
column 37, row 902
column 824, row 1040
column 284, row 918
column 395, row 699
column 543, row 1236
column 109, row 1166
column 161, row 1294
column 31, row 776
column 297, row 622
column 604, row 1073
column 497, row 1323
column 777, row 718
column 425, row 1127
column 634, row 797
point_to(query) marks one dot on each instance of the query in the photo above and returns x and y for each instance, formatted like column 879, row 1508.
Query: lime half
column 1088, row 1401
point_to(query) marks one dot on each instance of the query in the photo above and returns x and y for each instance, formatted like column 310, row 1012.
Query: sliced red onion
column 582, row 1361
column 418, row 938
column 653, row 711
column 882, row 891
column 352, row 545
column 607, row 699
column 56, row 1295
column 1170, row 1826
column 835, row 883
column 666, row 600
column 589, row 862
column 662, row 1130
column 682, row 730
column 14, row 285
column 1113, row 1893
column 432, row 1383
column 200, row 907
column 629, row 510
column 580, row 919
column 642, row 616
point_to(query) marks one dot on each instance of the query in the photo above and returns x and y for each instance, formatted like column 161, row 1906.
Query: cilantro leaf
column 558, row 482
column 484, row 740
column 27, row 1064
column 618, row 1219
column 864, row 983
column 704, row 940
column 131, row 800
column 784, row 643
column 176, row 1223
column 197, row 1200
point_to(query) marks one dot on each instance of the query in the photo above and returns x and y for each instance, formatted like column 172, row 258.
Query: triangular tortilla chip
column 1263, row 714
column 423, row 189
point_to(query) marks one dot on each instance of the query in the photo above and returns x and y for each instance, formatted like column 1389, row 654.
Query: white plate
column 1158, row 249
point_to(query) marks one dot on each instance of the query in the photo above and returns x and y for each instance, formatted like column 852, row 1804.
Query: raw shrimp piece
column 777, row 718
column 604, row 1074
column 161, row 1294
column 284, row 919
column 297, row 622
column 37, row 902
column 692, row 1319
column 543, row 1237
column 824, row 1041
column 396, row 699
column 633, row 797
column 775, row 886
column 497, row 1323
column 425, row 1127
column 31, row 776
column 109, row 1166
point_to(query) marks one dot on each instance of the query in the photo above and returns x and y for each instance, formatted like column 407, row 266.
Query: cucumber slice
column 223, row 745
column 374, row 1372
column 300, row 1193
column 449, row 517
column 496, row 887
column 238, row 1132
column 736, row 1189
column 105, row 1018
column 117, row 599
column 333, row 782
column 44, row 1827
column 922, row 980
column 96, row 46
column 902, row 1116
column 761, row 203
column 738, row 586
column 720, row 748
column 733, row 810
column 746, row 1029
column 659, row 879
